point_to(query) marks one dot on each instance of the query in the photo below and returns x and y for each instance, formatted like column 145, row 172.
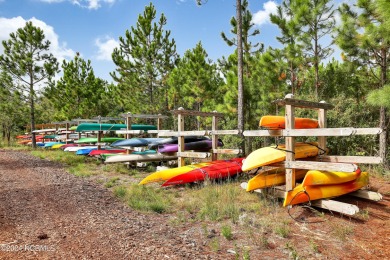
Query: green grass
column 227, row 232
column 112, row 182
column 219, row 201
column 145, row 198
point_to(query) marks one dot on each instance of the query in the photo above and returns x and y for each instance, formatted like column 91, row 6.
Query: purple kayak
column 203, row 145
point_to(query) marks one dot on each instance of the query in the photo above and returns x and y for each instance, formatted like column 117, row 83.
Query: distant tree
column 364, row 38
column 27, row 59
column 195, row 80
column 292, row 49
column 78, row 93
column 315, row 18
column 144, row 59
column 12, row 107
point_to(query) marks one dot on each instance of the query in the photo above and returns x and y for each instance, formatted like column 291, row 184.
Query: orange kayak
column 301, row 194
column 279, row 122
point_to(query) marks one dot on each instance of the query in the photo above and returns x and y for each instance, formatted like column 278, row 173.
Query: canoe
column 135, row 142
column 314, row 177
column 86, row 140
column 111, row 127
column 174, row 140
column 167, row 174
column 301, row 194
column 139, row 157
column 76, row 148
column 106, row 151
column 271, row 178
column 72, row 145
column 218, row 170
column 50, row 144
column 203, row 145
column 57, row 146
column 279, row 122
column 272, row 154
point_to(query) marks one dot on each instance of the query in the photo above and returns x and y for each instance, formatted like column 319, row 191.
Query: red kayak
column 99, row 152
column 219, row 169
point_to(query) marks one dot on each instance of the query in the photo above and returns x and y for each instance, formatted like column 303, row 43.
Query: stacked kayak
column 333, row 187
column 279, row 122
column 272, row 154
column 203, row 145
column 217, row 170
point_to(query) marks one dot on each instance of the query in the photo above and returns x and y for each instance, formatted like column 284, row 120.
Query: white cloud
column 105, row 46
column 59, row 50
column 262, row 16
column 90, row 4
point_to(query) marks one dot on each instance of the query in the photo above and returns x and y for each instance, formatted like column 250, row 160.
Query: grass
column 226, row 231
column 112, row 182
column 282, row 229
column 145, row 198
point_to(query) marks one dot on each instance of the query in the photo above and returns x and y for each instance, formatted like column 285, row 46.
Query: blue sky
column 93, row 27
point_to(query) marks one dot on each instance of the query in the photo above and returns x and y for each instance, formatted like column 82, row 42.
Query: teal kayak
column 111, row 127
column 87, row 140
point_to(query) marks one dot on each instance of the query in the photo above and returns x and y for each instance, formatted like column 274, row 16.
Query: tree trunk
column 32, row 113
column 382, row 111
column 240, row 109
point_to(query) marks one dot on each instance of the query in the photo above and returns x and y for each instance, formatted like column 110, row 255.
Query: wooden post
column 290, row 145
column 67, row 133
column 322, row 124
column 159, row 122
column 214, row 156
column 180, row 138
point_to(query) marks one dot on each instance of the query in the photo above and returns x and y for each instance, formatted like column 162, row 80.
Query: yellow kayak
column 278, row 122
column 301, row 194
column 314, row 177
column 271, row 178
column 57, row 146
column 272, row 154
column 165, row 175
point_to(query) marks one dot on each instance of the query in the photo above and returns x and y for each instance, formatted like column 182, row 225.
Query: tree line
column 151, row 77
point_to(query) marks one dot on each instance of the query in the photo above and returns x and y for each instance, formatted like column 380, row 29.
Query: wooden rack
column 181, row 133
column 323, row 162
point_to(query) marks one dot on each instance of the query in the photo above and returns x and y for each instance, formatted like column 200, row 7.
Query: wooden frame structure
column 181, row 113
column 323, row 162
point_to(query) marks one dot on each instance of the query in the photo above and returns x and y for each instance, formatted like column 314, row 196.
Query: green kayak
column 111, row 127
column 87, row 140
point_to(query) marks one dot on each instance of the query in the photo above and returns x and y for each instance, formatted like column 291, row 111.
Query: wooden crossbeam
column 310, row 165
column 303, row 103
column 346, row 131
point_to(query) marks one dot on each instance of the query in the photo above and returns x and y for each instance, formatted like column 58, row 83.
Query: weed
column 82, row 170
column 148, row 199
column 227, row 232
column 214, row 244
column 111, row 183
column 314, row 246
column 293, row 251
column 343, row 231
column 364, row 214
column 245, row 254
column 120, row 192
column 282, row 230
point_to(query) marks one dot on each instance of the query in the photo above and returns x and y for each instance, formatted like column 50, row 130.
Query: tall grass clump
column 220, row 201
column 145, row 198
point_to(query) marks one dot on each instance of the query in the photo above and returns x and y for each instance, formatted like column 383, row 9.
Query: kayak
column 271, row 178
column 301, row 194
column 272, row 154
column 278, row 122
column 218, row 170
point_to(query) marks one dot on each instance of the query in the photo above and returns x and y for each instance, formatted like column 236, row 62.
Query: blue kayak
column 136, row 142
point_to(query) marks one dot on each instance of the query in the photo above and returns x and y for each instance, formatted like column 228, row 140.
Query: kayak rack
column 321, row 162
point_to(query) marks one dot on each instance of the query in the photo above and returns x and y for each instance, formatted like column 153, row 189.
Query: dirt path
column 47, row 213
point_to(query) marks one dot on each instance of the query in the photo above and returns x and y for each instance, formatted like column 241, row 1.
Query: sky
column 93, row 27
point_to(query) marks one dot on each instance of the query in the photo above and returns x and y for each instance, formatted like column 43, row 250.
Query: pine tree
column 315, row 18
column 292, row 50
column 364, row 39
column 144, row 59
column 78, row 93
column 27, row 59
